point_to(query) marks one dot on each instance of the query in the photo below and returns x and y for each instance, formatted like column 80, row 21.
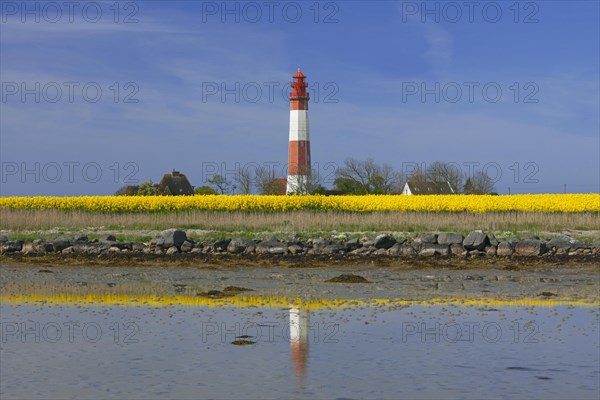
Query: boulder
column 408, row 250
column 320, row 243
column 186, row 246
column 221, row 245
column 295, row 249
column 457, row 249
column 109, row 238
column 172, row 250
column 11, row 246
column 427, row 238
column 395, row 249
column 272, row 247
column 530, row 247
column 353, row 244
column 450, row 238
column 491, row 251
column 431, row 249
column 505, row 249
column 565, row 243
column 476, row 240
column 60, row 244
column 172, row 237
column 384, row 241
column 492, row 239
column 334, row 248
column 239, row 245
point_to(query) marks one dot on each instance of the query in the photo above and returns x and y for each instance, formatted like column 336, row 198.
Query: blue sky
column 377, row 67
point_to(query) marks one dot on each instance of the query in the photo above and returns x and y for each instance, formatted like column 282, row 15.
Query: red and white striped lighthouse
column 299, row 147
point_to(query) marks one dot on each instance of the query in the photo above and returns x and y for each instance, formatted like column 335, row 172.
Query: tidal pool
column 91, row 351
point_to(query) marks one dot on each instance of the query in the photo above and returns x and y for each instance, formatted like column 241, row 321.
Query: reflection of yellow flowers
column 451, row 203
column 145, row 300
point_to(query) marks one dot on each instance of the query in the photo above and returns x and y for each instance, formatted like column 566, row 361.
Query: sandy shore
column 414, row 280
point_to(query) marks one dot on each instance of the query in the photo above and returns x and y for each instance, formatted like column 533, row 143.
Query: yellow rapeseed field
column 435, row 203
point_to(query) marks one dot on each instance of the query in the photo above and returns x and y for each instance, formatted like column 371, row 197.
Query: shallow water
column 416, row 351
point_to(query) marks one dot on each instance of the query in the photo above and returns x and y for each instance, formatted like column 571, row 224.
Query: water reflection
column 299, row 343
column 414, row 351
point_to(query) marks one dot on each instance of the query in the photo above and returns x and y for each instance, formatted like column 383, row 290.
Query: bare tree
column 244, row 179
column 365, row 177
column 479, row 183
column 442, row 173
column 265, row 180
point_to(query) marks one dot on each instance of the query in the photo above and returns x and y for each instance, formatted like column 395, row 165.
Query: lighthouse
column 299, row 146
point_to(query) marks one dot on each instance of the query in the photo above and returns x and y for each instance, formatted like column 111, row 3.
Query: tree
column 221, row 184
column 128, row 190
column 204, row 190
column 265, row 180
column 244, row 178
column 479, row 183
column 366, row 177
column 482, row 183
column 147, row 189
column 442, row 173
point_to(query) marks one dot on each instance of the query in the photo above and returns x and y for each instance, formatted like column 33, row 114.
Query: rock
column 450, row 238
column 360, row 250
column 264, row 246
column 431, row 249
column 348, row 278
column 379, row 252
column 281, row 248
column 320, row 243
column 353, row 244
column 408, row 250
column 172, row 250
column 60, row 244
column 491, row 251
column 196, row 250
column 596, row 245
column 239, row 245
column 172, row 237
column 295, row 249
column 457, row 249
column 428, row 238
column 395, row 249
column 532, row 237
column 565, row 243
column 384, row 241
column 11, row 246
column 530, row 247
column 186, row 246
column 221, row 245
column 505, row 249
column 109, row 238
column 27, row 248
column 476, row 240
column 80, row 238
column 476, row 253
column 492, row 239
column 158, row 242
column 368, row 243
column 335, row 248
column 3, row 238
column 138, row 246
column 68, row 250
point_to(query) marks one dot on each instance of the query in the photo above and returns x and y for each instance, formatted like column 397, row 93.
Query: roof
column 425, row 187
column 175, row 184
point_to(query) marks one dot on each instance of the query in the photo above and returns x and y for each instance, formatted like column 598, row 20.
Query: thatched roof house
column 175, row 184
column 426, row 187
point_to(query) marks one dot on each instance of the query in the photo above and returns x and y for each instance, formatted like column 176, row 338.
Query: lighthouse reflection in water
column 299, row 338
